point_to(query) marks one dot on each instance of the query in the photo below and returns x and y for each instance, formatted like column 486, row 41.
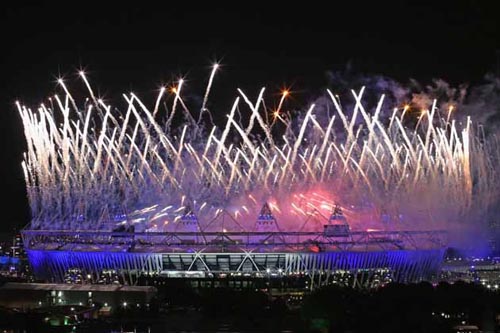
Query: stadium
column 271, row 193
column 398, row 256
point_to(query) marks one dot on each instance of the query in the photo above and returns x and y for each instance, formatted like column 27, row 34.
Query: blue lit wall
column 6, row 260
column 408, row 265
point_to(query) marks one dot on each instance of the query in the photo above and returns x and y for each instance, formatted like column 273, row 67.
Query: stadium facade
column 367, row 256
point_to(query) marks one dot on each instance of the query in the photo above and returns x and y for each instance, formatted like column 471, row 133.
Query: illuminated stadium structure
column 401, row 256
column 328, row 190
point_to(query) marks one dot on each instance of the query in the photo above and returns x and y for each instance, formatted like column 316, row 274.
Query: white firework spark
column 97, row 166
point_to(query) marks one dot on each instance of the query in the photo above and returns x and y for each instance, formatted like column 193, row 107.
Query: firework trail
column 97, row 168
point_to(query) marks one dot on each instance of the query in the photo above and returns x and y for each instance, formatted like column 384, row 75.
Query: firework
column 91, row 167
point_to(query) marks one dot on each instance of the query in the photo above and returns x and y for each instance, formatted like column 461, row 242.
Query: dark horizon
column 139, row 49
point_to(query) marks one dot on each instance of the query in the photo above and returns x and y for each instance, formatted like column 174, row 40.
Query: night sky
column 138, row 49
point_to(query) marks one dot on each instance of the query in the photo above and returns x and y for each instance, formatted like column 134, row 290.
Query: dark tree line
column 402, row 308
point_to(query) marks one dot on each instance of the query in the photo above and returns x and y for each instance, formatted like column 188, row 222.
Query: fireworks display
column 89, row 166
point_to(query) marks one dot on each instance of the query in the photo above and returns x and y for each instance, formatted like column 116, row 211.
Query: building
column 370, row 258
column 35, row 295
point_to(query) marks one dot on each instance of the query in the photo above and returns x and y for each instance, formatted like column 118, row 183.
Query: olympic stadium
column 401, row 256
